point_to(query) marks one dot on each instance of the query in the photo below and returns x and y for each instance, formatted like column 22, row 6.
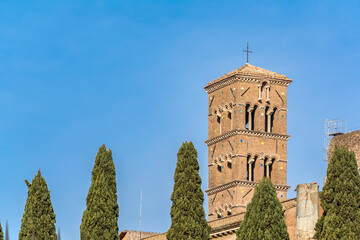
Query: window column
column 267, row 164
column 250, row 162
column 269, row 118
column 260, row 93
column 267, row 93
column 250, row 117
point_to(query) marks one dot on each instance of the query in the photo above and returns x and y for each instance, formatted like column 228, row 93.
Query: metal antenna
column 58, row 237
column 247, row 52
column 7, row 231
column 140, row 211
column 332, row 127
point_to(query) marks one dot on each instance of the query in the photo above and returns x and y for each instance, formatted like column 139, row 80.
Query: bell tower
column 247, row 137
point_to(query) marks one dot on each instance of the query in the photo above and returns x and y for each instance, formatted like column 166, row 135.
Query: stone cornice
column 227, row 225
column 238, row 131
column 224, row 232
column 243, row 78
column 241, row 183
column 224, row 224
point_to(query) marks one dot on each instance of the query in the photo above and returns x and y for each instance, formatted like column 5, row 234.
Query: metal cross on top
column 247, row 52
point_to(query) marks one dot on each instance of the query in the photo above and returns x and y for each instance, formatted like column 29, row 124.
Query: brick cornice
column 238, row 131
column 241, row 183
column 243, row 78
column 228, row 225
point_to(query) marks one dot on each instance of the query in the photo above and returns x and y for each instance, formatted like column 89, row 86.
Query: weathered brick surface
column 350, row 140
column 231, row 142
column 135, row 235
column 225, row 228
column 159, row 236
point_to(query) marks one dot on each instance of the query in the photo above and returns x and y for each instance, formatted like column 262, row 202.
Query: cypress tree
column 38, row 220
column 187, row 212
column 100, row 218
column 264, row 217
column 1, row 233
column 340, row 198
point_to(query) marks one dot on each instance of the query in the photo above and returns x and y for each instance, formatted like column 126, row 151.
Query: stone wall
column 350, row 140
column 135, row 235
column 159, row 236
column 307, row 210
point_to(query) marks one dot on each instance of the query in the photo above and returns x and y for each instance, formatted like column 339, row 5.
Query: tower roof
column 251, row 70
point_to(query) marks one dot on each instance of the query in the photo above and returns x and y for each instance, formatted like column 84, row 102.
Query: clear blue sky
column 130, row 74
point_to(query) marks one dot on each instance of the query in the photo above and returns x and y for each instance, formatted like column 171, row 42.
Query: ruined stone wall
column 350, row 140
column 135, row 235
column 307, row 210
column 159, row 236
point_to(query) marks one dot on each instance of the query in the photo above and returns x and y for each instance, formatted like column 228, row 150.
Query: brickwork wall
column 232, row 142
column 290, row 220
column 225, row 228
column 245, row 93
column 350, row 140
column 160, row 236
column 227, row 159
column 135, row 235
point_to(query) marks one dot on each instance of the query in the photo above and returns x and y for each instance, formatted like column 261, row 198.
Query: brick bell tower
column 247, row 137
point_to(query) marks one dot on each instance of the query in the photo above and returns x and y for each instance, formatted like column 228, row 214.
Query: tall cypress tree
column 39, row 218
column 1, row 233
column 264, row 217
column 100, row 218
column 340, row 198
column 187, row 212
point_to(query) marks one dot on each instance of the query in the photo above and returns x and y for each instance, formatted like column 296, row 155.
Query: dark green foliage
column 39, row 218
column 264, row 217
column 340, row 198
column 100, row 219
column 1, row 233
column 187, row 212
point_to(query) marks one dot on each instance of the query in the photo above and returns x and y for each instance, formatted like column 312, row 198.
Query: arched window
column 250, row 116
column 271, row 167
column 253, row 117
column 265, row 167
column 218, row 120
column 251, row 167
column 247, row 107
column 267, row 93
column 230, row 119
column 268, row 167
column 248, row 167
column 272, row 119
column 267, row 119
column 229, row 162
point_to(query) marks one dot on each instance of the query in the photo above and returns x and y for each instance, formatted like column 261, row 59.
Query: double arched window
column 269, row 118
column 251, row 161
column 264, row 92
column 250, row 116
column 268, row 166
